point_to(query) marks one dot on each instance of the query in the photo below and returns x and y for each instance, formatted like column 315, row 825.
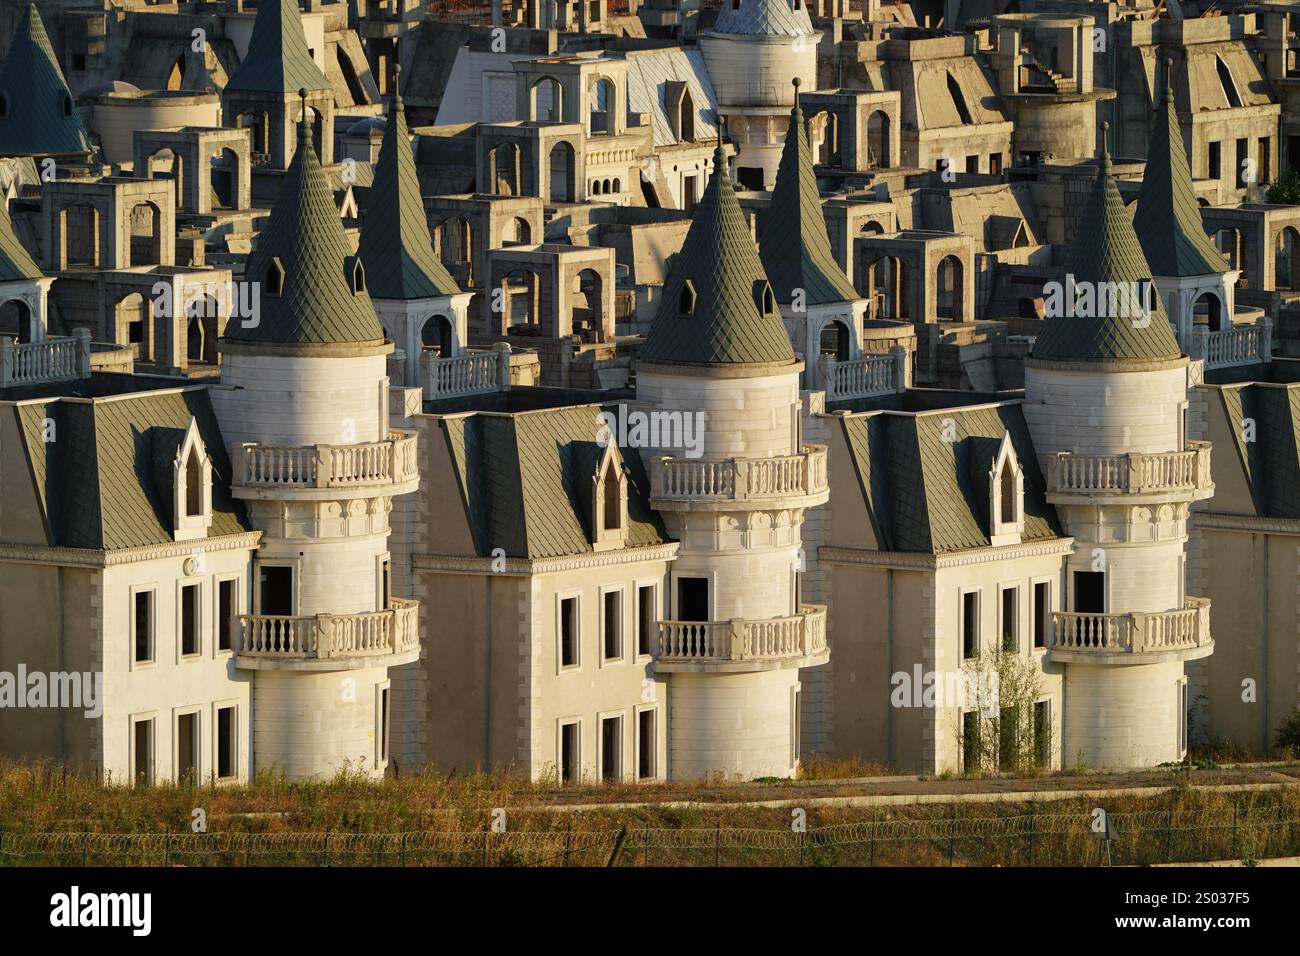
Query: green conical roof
column 1168, row 221
column 316, row 304
column 796, row 250
column 1106, row 263
column 16, row 262
column 719, row 260
column 395, row 247
column 38, row 118
column 277, row 60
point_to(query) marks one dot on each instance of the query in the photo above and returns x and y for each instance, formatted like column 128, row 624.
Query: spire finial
column 796, row 112
column 1169, row 80
column 1104, row 168
column 304, row 131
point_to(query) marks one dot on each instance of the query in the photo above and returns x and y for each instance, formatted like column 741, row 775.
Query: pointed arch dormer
column 1006, row 496
column 609, row 501
column 273, row 279
column 192, row 487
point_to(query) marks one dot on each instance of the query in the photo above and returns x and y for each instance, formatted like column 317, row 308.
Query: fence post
column 1033, row 829
column 325, row 850
column 248, row 848
column 952, row 833
column 717, row 843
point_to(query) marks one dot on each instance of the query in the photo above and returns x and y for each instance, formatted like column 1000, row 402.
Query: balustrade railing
column 739, row 478
column 325, row 636
column 470, row 373
column 395, row 461
column 1136, row 632
column 1132, row 473
column 59, row 359
column 800, row 635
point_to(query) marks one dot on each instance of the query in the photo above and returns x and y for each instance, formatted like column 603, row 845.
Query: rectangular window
column 189, row 619
column 1182, row 718
column 611, row 748
column 226, row 727
column 995, row 164
column 275, row 589
column 611, row 624
column 187, row 748
column 570, row 752
column 1043, row 733
column 1090, row 592
column 1042, row 612
column 383, row 723
column 1213, row 161
column 142, row 757
column 79, row 63
column 970, row 741
column 569, row 632
column 972, row 164
column 970, row 624
column 646, row 617
column 1265, row 160
column 646, row 744
column 692, row 599
column 1243, row 155
column 226, row 614
column 1010, row 614
column 143, row 611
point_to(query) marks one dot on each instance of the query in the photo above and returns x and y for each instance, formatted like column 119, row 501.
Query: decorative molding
column 98, row 558
column 916, row 561
column 464, row 564
column 1248, row 523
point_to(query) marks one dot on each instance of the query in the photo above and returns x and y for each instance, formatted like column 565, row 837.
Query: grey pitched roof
column 796, row 249
column 1271, row 462
column 39, row 119
column 722, row 265
column 525, row 480
column 99, row 485
column 15, row 261
column 316, row 304
column 926, row 493
column 764, row 18
column 1106, row 257
column 1168, row 220
column 277, row 60
column 395, row 247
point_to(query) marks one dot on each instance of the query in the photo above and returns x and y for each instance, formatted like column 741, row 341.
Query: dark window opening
column 692, row 599
column 190, row 619
column 611, row 748
column 1213, row 161
column 970, row 624
column 143, row 767
column 645, row 601
column 187, row 748
column 569, row 755
column 225, row 614
column 647, row 745
column 225, row 742
column 275, row 590
column 143, row 626
column 612, row 624
column 1042, row 610
column 1042, row 733
column 569, row 632
column 970, row 741
column 1010, row 632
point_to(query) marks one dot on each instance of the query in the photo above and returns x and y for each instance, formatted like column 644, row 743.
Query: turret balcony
column 323, row 471
column 744, row 645
column 327, row 642
column 1141, row 478
column 1138, row 637
column 720, row 484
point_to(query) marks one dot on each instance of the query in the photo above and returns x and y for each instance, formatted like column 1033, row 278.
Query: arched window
column 612, row 519
column 67, row 105
column 273, row 282
column 356, row 275
column 686, row 300
column 1007, row 492
column 193, row 484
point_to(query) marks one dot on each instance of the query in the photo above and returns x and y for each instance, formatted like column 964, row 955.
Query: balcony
column 1239, row 345
column 1081, row 479
column 57, row 359
column 864, row 377
column 718, row 484
column 473, row 372
column 382, row 468
column 741, row 645
column 1134, row 638
column 331, row 641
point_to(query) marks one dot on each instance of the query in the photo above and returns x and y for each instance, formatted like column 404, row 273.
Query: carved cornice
column 522, row 567
column 917, row 561
column 1253, row 524
column 98, row 558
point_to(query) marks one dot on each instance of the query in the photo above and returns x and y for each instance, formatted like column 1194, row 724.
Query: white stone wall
column 298, row 400
column 171, row 684
column 1121, row 716
column 737, row 725
column 308, row 724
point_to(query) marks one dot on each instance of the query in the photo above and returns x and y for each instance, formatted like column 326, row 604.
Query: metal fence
column 1042, row 839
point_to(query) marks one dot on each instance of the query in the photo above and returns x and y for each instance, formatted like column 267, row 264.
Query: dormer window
column 763, row 298
column 686, row 300
column 1006, row 496
column 192, row 487
column 356, row 274
column 273, row 281
column 609, row 501
column 67, row 105
column 735, row 4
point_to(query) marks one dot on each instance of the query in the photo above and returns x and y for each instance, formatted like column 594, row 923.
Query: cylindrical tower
column 718, row 364
column 303, row 407
column 1105, row 400
column 754, row 51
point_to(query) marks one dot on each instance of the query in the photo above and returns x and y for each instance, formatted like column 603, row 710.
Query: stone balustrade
column 771, row 640
column 324, row 637
column 57, row 359
column 739, row 479
column 1081, row 636
column 361, row 465
column 864, row 377
column 1135, row 473
column 472, row 372
column 1239, row 345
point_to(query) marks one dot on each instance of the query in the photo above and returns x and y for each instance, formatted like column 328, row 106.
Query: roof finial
column 1104, row 169
column 1169, row 80
column 304, row 131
